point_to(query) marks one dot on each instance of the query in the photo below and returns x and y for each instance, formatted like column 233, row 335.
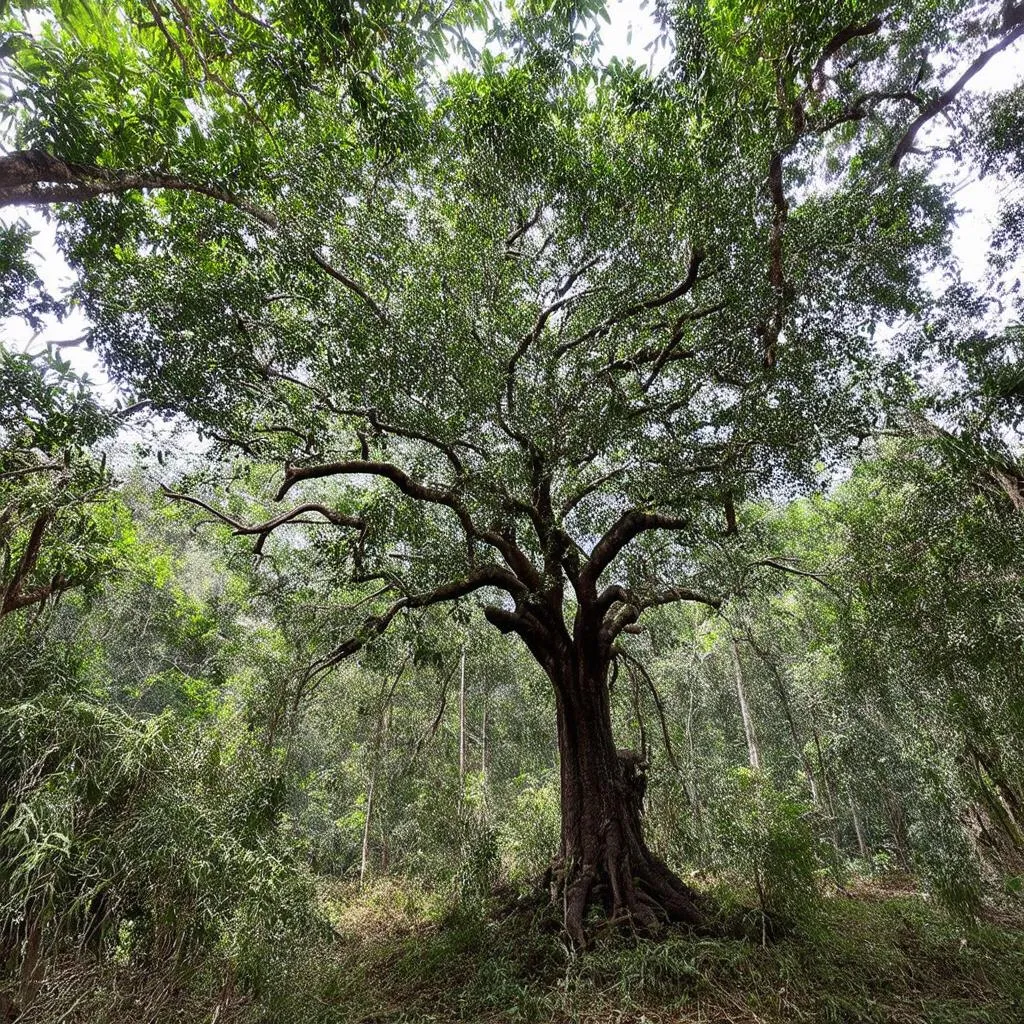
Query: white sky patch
column 980, row 199
column 632, row 34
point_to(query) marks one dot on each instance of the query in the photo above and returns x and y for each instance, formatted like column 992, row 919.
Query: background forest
column 407, row 322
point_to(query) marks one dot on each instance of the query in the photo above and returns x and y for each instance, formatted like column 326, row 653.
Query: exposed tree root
column 636, row 894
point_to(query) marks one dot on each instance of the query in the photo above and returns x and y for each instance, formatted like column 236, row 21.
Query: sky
column 629, row 35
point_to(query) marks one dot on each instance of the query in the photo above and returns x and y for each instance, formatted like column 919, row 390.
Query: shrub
column 136, row 838
column 530, row 828
column 765, row 839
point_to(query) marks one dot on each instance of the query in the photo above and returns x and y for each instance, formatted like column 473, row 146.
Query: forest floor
column 877, row 951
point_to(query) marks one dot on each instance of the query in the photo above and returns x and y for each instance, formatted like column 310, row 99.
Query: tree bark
column 366, row 829
column 462, row 725
column 691, row 776
column 753, row 753
column 379, row 744
column 483, row 745
column 603, row 857
column 862, row 845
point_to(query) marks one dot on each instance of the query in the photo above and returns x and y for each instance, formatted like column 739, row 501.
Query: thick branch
column 731, row 527
column 375, row 625
column 515, row 558
column 612, row 594
column 35, row 595
column 539, row 640
column 839, row 40
column 1015, row 25
column 524, row 226
column 15, row 596
column 630, row 525
column 45, row 467
column 587, row 489
column 657, row 354
column 771, row 328
column 356, row 467
column 771, row 563
column 645, row 305
column 263, row 530
column 36, row 178
column 417, row 435
column 671, row 595
column 656, row 301
column 521, row 349
column 621, row 608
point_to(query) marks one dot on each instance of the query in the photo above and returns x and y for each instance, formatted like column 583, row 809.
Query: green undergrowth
column 870, row 956
column 398, row 955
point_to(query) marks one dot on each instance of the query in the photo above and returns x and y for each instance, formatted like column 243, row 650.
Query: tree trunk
column 603, row 857
column 366, row 830
column 483, row 745
column 990, row 762
column 753, row 753
column 823, row 770
column 862, row 845
column 691, row 775
column 379, row 745
column 897, row 827
column 781, row 692
column 462, row 725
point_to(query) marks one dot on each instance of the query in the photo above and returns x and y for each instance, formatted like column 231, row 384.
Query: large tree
column 529, row 332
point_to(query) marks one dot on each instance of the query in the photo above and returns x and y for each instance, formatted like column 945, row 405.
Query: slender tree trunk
column 787, row 709
column 999, row 808
column 862, row 845
column 823, row 770
column 366, row 829
column 32, row 966
column 991, row 762
column 691, row 775
column 379, row 747
column 748, row 722
column 812, row 782
column 898, row 827
column 462, row 724
column 603, row 856
column 483, row 746
column 1011, row 482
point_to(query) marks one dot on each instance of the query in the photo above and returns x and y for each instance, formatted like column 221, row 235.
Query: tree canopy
column 558, row 301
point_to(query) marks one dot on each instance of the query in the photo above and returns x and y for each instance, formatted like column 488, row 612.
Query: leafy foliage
column 51, row 485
